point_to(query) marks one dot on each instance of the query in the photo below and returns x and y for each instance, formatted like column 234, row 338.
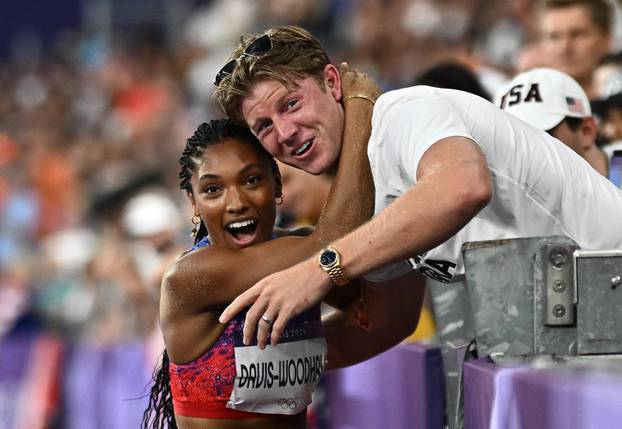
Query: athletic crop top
column 233, row 381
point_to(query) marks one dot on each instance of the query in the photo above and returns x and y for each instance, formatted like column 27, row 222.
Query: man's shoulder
column 408, row 93
column 410, row 97
column 404, row 105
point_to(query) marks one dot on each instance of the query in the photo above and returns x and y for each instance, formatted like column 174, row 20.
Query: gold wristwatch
column 330, row 262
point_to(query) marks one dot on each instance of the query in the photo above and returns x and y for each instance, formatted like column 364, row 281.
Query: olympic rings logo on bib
column 289, row 403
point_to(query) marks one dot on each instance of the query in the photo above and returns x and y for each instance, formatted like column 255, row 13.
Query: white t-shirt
column 540, row 186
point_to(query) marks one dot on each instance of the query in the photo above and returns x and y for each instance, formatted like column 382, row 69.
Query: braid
column 160, row 413
column 216, row 131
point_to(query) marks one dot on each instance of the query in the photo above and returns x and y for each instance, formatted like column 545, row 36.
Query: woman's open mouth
column 243, row 232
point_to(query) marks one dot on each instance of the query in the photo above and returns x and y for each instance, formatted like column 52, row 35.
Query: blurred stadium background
column 98, row 99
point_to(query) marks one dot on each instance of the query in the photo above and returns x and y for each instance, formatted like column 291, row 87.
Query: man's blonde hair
column 295, row 54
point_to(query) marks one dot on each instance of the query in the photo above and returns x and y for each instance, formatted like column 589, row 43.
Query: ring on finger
column 267, row 320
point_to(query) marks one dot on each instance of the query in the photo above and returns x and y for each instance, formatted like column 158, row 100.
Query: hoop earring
column 279, row 200
column 196, row 221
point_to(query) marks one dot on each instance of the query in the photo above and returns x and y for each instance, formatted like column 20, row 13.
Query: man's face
column 302, row 127
column 612, row 124
column 572, row 139
column 572, row 41
column 579, row 140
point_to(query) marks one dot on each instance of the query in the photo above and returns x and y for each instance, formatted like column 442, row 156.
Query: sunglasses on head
column 260, row 46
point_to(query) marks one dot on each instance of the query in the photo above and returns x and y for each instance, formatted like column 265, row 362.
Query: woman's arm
column 349, row 343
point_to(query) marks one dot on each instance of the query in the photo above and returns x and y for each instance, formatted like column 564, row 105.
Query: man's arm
column 453, row 185
column 401, row 298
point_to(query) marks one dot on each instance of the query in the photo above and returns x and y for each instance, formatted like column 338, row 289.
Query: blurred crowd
column 91, row 130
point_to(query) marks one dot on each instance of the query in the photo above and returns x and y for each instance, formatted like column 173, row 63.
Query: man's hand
column 278, row 298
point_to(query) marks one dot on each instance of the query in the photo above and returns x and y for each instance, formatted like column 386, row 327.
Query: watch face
column 328, row 257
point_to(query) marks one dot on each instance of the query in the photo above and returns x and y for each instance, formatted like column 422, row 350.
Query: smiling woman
column 232, row 184
column 235, row 192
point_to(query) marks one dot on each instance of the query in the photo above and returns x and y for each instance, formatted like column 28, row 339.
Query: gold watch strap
column 336, row 273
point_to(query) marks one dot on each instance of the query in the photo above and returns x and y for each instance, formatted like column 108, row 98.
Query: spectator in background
column 608, row 108
column 453, row 75
column 576, row 35
column 151, row 222
column 554, row 102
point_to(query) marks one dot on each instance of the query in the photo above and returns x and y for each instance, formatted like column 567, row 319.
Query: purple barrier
column 29, row 365
column 13, row 375
column 105, row 387
column 401, row 388
column 523, row 398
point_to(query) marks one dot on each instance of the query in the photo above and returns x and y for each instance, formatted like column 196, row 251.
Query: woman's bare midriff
column 299, row 421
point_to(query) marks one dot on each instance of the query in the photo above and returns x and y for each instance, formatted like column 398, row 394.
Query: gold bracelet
column 363, row 96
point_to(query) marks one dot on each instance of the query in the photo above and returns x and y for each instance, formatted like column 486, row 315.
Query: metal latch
column 560, row 297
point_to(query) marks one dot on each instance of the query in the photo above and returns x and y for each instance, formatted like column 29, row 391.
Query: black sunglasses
column 259, row 47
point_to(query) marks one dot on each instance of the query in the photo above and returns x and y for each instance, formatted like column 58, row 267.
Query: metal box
column 598, row 280
column 515, row 294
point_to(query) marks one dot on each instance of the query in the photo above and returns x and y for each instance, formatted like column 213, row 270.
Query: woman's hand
column 355, row 84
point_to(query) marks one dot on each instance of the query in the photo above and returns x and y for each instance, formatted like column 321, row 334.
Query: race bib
column 280, row 379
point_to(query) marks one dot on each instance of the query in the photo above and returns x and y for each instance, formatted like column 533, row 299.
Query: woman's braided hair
column 160, row 413
column 216, row 131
